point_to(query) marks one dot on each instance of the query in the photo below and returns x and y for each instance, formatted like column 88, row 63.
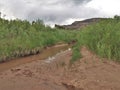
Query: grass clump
column 76, row 53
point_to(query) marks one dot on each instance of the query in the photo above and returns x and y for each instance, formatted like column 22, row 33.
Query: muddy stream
column 48, row 52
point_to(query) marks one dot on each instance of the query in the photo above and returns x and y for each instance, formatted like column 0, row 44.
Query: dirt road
column 54, row 73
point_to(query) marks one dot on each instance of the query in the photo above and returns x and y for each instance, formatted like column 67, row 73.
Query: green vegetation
column 103, row 38
column 21, row 38
column 76, row 53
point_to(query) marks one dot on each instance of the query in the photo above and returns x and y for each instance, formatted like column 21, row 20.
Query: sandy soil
column 55, row 73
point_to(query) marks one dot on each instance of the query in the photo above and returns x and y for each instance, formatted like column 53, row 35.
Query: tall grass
column 20, row 38
column 103, row 38
column 76, row 53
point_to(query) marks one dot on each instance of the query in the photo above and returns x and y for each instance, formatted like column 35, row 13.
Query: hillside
column 80, row 24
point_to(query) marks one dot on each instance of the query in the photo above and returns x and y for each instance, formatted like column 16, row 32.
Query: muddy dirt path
column 54, row 73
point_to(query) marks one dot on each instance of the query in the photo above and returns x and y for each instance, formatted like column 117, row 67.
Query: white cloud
column 107, row 7
column 59, row 11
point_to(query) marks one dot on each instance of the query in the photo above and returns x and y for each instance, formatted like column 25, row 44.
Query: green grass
column 76, row 53
column 103, row 38
column 21, row 38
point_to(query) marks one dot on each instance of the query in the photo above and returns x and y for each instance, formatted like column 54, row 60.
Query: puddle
column 49, row 52
column 50, row 59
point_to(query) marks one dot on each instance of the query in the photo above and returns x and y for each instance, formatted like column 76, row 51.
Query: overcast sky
column 59, row 11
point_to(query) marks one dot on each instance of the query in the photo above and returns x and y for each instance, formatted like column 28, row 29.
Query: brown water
column 50, row 51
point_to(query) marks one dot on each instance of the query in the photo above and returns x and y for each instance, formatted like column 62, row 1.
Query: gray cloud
column 52, row 11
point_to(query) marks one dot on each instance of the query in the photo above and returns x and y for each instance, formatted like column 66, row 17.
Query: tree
column 0, row 14
column 117, row 17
